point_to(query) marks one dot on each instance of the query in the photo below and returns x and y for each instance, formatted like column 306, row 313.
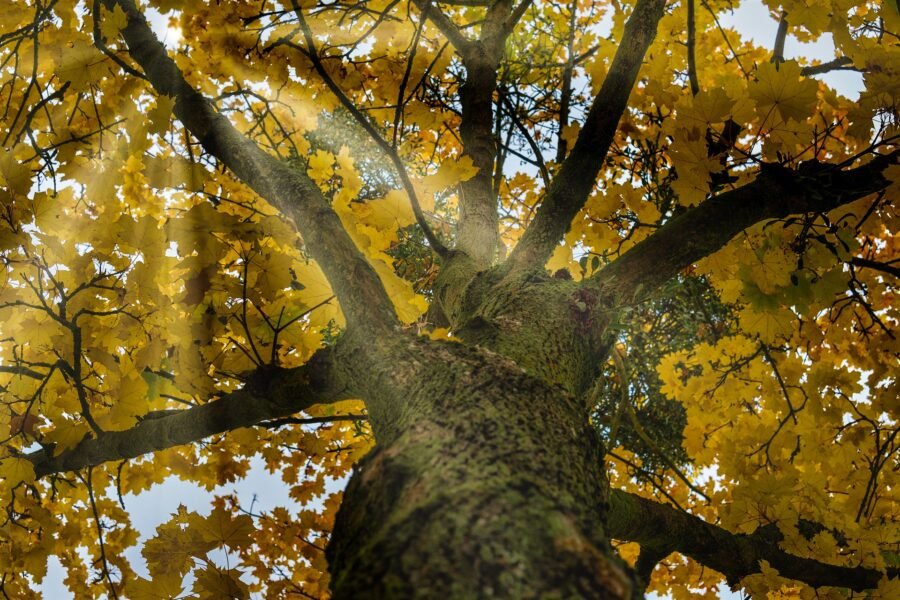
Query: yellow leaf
column 112, row 22
column 214, row 584
column 780, row 91
column 14, row 175
column 392, row 212
column 773, row 270
column 451, row 173
column 170, row 553
column 160, row 114
column 163, row 587
column 174, row 172
column 314, row 291
column 321, row 166
column 410, row 305
column 768, row 324
column 81, row 64
column 15, row 471
column 889, row 587
column 691, row 159
column 129, row 401
column 222, row 529
column 66, row 435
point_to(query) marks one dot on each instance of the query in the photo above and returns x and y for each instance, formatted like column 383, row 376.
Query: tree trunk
column 486, row 482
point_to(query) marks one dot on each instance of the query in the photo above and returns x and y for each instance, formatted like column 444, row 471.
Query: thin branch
column 274, row 424
column 565, row 97
column 312, row 53
column 401, row 93
column 105, row 564
column 875, row 265
column 721, row 29
column 22, row 371
column 101, row 45
column 838, row 64
column 538, row 155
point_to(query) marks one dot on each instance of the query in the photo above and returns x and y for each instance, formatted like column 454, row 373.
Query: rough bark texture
column 478, row 234
column 489, row 486
column 477, row 231
column 544, row 324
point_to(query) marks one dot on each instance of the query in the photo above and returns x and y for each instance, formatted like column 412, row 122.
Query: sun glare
column 173, row 35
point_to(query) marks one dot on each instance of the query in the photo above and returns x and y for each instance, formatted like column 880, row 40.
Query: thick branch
column 515, row 16
column 842, row 63
column 691, row 48
column 875, row 265
column 270, row 394
column 776, row 193
column 478, row 228
column 565, row 92
column 356, row 285
column 451, row 30
column 780, row 36
column 735, row 555
column 575, row 179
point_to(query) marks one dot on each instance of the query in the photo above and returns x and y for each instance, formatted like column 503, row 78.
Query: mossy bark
column 489, row 484
column 556, row 329
column 487, row 479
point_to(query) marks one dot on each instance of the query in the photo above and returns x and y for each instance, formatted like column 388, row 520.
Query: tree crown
column 193, row 228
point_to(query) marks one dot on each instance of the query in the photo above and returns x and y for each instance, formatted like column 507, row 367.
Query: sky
column 154, row 507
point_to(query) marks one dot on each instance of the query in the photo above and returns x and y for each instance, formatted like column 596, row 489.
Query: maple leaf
column 321, row 166
column 160, row 114
column 171, row 552
column 691, row 158
column 80, row 64
column 162, row 587
column 26, row 424
column 112, row 22
column 222, row 528
column 15, row 175
column 780, row 90
column 14, row 471
column 213, row 583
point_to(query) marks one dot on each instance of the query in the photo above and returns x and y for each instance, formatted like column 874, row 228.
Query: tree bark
column 488, row 482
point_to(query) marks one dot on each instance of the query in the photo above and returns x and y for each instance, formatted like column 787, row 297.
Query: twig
column 311, row 52
column 274, row 424
column 106, row 574
column 691, row 42
column 780, row 37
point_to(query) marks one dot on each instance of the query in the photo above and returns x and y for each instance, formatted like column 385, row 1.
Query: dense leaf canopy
column 167, row 305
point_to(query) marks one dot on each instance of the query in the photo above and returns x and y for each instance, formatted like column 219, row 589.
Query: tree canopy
column 298, row 230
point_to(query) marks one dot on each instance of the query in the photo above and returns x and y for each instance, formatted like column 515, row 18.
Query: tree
column 593, row 297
